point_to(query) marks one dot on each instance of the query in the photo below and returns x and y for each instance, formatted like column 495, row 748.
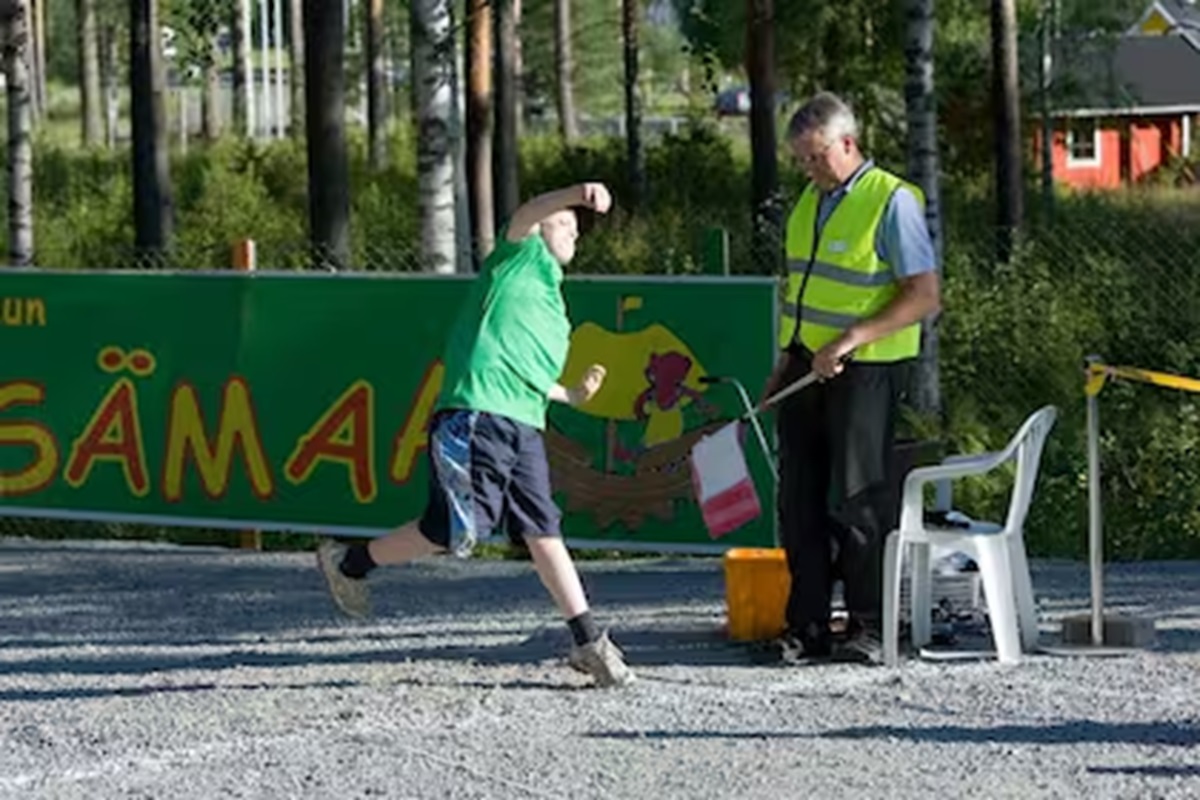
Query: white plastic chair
column 999, row 550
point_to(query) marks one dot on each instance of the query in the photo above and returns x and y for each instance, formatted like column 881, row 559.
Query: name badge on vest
column 838, row 246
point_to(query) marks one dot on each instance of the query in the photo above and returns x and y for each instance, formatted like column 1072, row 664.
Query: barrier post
column 245, row 255
column 714, row 252
column 1098, row 633
column 1095, row 518
column 245, row 259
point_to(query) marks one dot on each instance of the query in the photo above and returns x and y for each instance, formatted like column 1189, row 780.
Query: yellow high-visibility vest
column 846, row 280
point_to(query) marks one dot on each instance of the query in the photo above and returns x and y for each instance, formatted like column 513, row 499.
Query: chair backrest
column 1026, row 448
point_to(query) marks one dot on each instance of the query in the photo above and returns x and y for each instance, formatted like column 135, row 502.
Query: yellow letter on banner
column 27, row 433
column 345, row 434
column 414, row 435
column 236, row 423
column 114, row 433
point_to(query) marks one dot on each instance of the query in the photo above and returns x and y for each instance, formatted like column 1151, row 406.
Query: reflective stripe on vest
column 844, row 280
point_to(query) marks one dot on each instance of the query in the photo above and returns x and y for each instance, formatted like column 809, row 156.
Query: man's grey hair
column 824, row 112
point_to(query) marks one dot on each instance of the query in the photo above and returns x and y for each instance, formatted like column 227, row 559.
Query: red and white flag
column 722, row 481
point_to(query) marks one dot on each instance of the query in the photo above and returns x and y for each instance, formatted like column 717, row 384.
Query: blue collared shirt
column 903, row 238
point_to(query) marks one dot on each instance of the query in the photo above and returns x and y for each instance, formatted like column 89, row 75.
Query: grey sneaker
column 575, row 661
column 603, row 660
column 350, row 594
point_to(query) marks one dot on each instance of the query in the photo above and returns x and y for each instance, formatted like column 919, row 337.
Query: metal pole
column 758, row 430
column 1095, row 521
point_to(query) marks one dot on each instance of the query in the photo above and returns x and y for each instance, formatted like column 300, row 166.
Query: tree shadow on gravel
column 513, row 684
column 656, row 646
column 1151, row 771
column 1074, row 732
column 1177, row 640
column 94, row 692
column 1165, row 589
column 1067, row 733
column 349, row 634
column 69, row 596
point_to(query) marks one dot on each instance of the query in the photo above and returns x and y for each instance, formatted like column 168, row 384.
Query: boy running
column 487, row 458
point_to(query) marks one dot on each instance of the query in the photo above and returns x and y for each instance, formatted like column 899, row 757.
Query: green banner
column 297, row 402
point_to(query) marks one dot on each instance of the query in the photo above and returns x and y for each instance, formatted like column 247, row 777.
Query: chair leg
column 997, row 577
column 921, row 594
column 892, row 569
column 1023, row 587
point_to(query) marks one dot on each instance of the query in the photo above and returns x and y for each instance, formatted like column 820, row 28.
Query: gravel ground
column 147, row 671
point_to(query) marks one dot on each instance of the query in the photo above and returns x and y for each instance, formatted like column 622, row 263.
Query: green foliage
column 1101, row 16
column 1101, row 280
column 224, row 194
column 62, row 43
column 83, row 214
column 194, row 24
column 598, row 57
column 385, row 229
column 1108, row 277
column 696, row 180
column 853, row 47
column 596, row 52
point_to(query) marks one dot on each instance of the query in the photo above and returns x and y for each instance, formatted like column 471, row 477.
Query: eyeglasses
column 812, row 158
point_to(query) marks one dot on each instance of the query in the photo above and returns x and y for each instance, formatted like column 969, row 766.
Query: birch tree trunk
column 39, row 50
column 15, row 33
column 243, row 76
column 89, row 74
column 433, row 64
column 29, row 14
column 376, row 87
column 110, row 57
column 921, row 107
column 296, row 73
column 564, row 72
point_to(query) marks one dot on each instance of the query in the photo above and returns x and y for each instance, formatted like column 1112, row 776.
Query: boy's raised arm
column 532, row 212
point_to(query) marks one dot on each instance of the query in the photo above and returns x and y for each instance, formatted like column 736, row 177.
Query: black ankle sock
column 357, row 561
column 583, row 628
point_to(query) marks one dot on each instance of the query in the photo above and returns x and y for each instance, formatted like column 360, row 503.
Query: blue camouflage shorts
column 488, row 473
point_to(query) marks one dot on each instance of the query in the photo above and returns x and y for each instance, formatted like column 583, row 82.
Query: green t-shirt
column 509, row 342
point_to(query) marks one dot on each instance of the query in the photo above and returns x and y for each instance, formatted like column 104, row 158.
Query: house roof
column 1169, row 16
column 1181, row 12
column 1127, row 75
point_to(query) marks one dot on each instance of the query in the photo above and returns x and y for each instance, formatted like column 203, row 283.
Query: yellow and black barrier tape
column 1098, row 374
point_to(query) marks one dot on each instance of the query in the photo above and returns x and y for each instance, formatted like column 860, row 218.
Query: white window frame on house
column 1083, row 161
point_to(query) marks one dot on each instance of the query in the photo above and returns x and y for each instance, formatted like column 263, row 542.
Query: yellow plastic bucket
column 756, row 589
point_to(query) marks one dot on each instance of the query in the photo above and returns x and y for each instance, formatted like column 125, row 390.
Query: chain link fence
column 1108, row 274
column 275, row 257
column 1113, row 276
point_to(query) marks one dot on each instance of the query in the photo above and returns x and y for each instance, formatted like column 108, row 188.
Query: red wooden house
column 1125, row 107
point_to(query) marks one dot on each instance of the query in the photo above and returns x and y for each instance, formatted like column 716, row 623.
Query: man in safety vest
column 861, row 277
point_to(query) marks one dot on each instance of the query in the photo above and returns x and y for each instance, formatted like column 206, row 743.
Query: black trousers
column 835, row 453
